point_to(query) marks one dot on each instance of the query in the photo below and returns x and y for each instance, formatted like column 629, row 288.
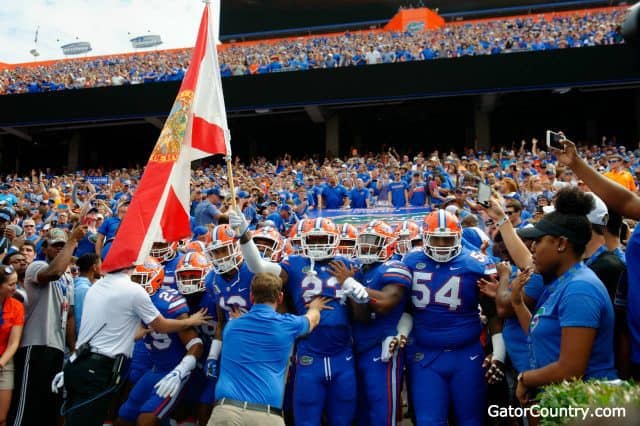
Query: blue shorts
column 443, row 379
column 144, row 399
column 140, row 361
column 324, row 384
column 379, row 387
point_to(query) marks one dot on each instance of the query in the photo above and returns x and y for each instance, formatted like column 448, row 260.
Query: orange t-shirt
column 624, row 178
column 12, row 314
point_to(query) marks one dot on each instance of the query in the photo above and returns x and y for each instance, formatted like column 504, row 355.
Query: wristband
column 502, row 221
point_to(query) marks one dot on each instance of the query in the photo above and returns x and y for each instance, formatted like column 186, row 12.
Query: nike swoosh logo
column 369, row 281
column 242, row 289
column 349, row 358
column 455, row 269
column 473, row 357
column 377, row 359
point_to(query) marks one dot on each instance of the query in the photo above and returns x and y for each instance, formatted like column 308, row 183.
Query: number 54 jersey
column 445, row 297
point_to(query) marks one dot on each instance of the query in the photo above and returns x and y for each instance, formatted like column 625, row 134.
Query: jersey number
column 447, row 295
column 312, row 286
column 238, row 301
column 157, row 341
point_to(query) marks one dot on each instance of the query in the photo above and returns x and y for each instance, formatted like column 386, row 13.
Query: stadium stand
column 561, row 30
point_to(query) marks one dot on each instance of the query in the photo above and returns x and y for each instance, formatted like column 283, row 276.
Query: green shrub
column 589, row 394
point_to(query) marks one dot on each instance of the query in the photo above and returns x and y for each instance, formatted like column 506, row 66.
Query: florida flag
column 196, row 128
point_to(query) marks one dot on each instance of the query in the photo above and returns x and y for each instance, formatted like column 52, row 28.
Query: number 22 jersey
column 333, row 334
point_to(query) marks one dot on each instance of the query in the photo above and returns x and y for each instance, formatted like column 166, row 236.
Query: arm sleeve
column 298, row 325
column 580, row 309
column 143, row 307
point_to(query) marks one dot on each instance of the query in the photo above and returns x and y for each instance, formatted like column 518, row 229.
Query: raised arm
column 613, row 194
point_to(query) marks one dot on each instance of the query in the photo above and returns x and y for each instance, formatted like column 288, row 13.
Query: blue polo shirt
column 255, row 355
column 576, row 299
column 359, row 198
column 333, row 196
column 206, row 213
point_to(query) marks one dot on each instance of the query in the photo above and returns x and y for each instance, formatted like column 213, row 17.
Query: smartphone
column 484, row 194
column 554, row 140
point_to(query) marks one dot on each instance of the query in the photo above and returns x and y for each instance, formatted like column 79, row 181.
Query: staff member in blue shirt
column 250, row 387
column 332, row 194
column 359, row 196
column 570, row 335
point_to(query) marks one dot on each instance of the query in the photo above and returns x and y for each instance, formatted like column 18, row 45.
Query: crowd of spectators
column 44, row 207
column 490, row 37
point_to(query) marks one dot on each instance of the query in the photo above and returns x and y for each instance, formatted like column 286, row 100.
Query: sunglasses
column 613, row 161
column 510, row 212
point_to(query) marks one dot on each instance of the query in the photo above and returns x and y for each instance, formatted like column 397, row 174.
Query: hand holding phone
column 555, row 139
column 484, row 194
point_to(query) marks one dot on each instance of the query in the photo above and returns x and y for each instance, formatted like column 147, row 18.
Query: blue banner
column 98, row 180
column 361, row 216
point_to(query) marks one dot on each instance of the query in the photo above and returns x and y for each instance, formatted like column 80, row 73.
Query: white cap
column 452, row 209
column 600, row 214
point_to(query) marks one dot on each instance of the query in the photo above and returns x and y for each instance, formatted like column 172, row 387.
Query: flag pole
column 232, row 188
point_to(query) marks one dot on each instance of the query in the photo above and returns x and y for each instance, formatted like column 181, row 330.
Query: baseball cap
column 243, row 194
column 199, row 231
column 285, row 207
column 600, row 214
column 213, row 191
column 56, row 235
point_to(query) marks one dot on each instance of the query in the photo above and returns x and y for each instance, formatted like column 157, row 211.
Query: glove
column 212, row 368
column 385, row 355
column 58, row 382
column 495, row 369
column 238, row 221
column 170, row 384
column 355, row 290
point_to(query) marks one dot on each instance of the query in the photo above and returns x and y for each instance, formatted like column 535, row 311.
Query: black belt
column 250, row 406
column 100, row 357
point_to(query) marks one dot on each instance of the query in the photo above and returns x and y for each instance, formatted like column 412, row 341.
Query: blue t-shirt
column 377, row 276
column 577, row 299
column 445, row 298
column 397, row 190
column 633, row 292
column 333, row 335
column 514, row 338
column 80, row 287
column 255, row 355
column 278, row 221
column 419, row 195
column 333, row 196
column 206, row 213
column 359, row 198
column 167, row 350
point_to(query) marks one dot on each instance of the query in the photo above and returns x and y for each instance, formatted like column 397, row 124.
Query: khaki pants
column 228, row 415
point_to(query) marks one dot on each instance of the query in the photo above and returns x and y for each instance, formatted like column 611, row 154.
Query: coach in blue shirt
column 332, row 194
column 255, row 355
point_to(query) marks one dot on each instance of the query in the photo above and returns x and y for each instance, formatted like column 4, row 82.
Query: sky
column 103, row 23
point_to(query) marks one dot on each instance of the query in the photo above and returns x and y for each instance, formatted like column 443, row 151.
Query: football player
column 173, row 355
column 388, row 283
column 347, row 244
column 325, row 368
column 168, row 255
column 230, row 282
column 269, row 242
column 190, row 279
column 445, row 355
column 408, row 238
